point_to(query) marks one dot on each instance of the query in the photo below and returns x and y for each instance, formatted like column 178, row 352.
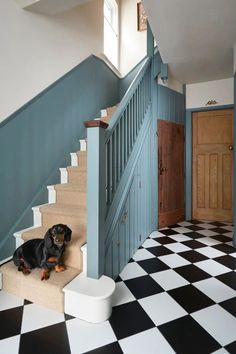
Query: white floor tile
column 206, row 226
column 150, row 341
column 8, row 301
column 221, row 351
column 208, row 241
column 218, row 322
column 181, row 229
column 177, row 247
column 212, row 267
column 122, row 294
column 142, row 254
column 180, row 238
column 169, row 279
column 10, row 345
column 174, row 260
column 84, row 336
column 207, row 232
column 156, row 234
column 233, row 254
column 35, row 316
column 215, row 289
column 162, row 308
column 229, row 234
column 228, row 227
column 132, row 270
column 230, row 243
column 150, row 243
column 185, row 223
column 210, row 252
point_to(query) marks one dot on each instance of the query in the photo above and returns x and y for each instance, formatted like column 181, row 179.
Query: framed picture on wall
column 141, row 17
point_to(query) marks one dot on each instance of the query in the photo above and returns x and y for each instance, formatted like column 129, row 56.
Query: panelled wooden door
column 212, row 177
column 170, row 173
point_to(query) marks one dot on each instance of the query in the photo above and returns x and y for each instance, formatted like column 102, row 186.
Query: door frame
column 188, row 156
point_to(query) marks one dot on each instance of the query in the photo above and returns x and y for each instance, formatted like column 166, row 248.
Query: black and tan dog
column 44, row 253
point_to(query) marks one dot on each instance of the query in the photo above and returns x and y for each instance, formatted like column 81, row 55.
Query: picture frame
column 141, row 17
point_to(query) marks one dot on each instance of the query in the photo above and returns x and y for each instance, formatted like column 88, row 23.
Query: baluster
column 108, row 172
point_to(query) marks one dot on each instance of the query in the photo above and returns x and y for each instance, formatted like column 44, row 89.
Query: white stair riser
column 51, row 194
column 74, row 159
column 37, row 215
column 64, row 175
column 83, row 145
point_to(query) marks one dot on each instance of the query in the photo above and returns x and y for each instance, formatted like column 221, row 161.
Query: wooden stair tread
column 63, row 209
column 82, row 169
column 70, row 187
column 47, row 293
column 39, row 232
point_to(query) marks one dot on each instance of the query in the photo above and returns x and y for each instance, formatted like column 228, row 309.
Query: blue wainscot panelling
column 136, row 219
column 37, row 140
column 170, row 105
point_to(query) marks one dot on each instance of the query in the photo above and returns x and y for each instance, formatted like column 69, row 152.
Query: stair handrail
column 126, row 98
column 124, row 127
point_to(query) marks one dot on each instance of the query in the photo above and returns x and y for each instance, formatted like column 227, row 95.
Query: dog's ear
column 68, row 233
column 47, row 239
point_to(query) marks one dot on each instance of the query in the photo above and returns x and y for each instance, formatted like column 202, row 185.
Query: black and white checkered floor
column 177, row 295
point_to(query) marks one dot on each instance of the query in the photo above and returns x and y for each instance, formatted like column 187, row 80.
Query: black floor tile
column 224, row 248
column 221, row 238
column 230, row 306
column 192, row 273
column 113, row 348
column 166, row 240
column 227, row 261
column 194, row 235
column 193, row 244
column 27, row 302
column 231, row 348
column 143, row 287
column 118, row 279
column 68, row 317
column 186, row 336
column 159, row 250
column 220, row 230
column 153, row 265
column 193, row 221
column 228, row 279
column 217, row 223
column 11, row 322
column 52, row 339
column 168, row 232
column 190, row 298
column 129, row 319
column 193, row 256
column 195, row 227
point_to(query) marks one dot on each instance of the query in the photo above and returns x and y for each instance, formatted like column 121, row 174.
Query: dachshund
column 44, row 253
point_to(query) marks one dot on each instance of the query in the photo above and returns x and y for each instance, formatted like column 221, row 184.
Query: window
column 111, row 31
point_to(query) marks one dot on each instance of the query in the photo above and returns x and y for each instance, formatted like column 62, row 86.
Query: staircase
column 67, row 205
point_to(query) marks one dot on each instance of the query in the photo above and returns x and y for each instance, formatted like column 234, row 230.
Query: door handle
column 162, row 169
column 230, row 147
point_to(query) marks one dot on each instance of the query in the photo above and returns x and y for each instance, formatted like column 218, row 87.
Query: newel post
column 96, row 197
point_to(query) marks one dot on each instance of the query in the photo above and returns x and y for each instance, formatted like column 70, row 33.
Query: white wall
column 132, row 42
column 37, row 49
column 172, row 84
column 197, row 95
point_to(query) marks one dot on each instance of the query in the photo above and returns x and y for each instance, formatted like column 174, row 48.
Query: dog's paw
column 45, row 275
column 59, row 268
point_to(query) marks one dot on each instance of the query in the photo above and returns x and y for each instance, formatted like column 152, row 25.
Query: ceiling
column 49, row 7
column 195, row 37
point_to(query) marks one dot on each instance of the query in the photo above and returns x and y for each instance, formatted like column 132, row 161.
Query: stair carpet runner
column 67, row 205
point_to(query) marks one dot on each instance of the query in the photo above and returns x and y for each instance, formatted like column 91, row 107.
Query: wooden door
column 170, row 173
column 212, row 165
